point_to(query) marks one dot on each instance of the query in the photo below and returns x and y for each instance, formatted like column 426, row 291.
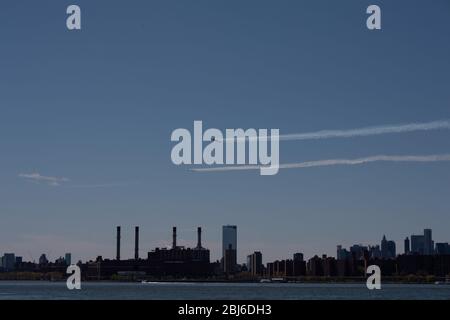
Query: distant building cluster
column 421, row 256
column 10, row 262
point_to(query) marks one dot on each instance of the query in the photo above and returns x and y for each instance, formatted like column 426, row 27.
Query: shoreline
column 193, row 282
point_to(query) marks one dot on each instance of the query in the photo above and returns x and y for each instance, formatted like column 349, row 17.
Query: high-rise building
column 442, row 248
column 68, row 259
column 388, row 250
column 256, row 263
column 428, row 242
column 392, row 249
column 342, row 254
column 339, row 252
column 374, row 252
column 9, row 261
column 229, row 260
column 407, row 246
column 298, row 256
column 249, row 263
column 43, row 259
column 229, row 248
column 417, row 244
column 422, row 244
column 357, row 251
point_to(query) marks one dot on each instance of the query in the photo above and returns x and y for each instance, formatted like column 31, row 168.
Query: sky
column 93, row 111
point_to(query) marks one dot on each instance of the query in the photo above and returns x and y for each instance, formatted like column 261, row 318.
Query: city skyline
column 86, row 119
column 230, row 236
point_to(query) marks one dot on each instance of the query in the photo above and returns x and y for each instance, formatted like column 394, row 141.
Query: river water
column 30, row 290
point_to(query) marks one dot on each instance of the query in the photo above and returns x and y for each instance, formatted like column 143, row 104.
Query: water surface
column 31, row 290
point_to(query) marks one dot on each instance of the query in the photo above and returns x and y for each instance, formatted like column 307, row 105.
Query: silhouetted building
column 68, row 259
column 298, row 256
column 299, row 265
column 43, row 259
column 9, row 262
column 229, row 260
column 422, row 244
column 374, row 252
column 407, row 246
column 428, row 242
column 357, row 251
column 442, row 249
column 388, row 250
column 418, row 244
column 286, row 268
column 342, row 254
column 315, row 267
column 229, row 248
column 329, row 266
column 256, row 266
column 176, row 262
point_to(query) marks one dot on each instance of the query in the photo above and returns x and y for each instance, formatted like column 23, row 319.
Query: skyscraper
column 428, row 242
column 423, row 244
column 43, row 259
column 417, row 244
column 442, row 248
column 68, row 259
column 407, row 246
column 256, row 263
column 339, row 252
column 299, row 256
column 8, row 261
column 388, row 250
column 229, row 248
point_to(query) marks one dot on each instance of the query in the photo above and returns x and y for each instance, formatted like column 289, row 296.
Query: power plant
column 176, row 261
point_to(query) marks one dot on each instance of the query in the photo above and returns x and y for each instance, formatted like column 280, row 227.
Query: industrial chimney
column 174, row 238
column 118, row 244
column 199, row 238
column 136, row 243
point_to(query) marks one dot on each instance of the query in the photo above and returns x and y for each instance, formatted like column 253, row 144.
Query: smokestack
column 118, row 244
column 174, row 238
column 199, row 237
column 136, row 243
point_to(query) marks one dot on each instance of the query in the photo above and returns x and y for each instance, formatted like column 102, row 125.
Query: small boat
column 279, row 280
column 446, row 282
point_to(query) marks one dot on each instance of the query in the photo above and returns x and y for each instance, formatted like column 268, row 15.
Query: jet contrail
column 334, row 162
column 360, row 132
column 37, row 177
column 368, row 131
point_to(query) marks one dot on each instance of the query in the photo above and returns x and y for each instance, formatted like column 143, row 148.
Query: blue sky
column 98, row 107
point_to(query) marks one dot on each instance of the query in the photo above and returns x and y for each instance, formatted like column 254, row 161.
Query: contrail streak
column 334, row 162
column 368, row 131
column 37, row 177
column 361, row 132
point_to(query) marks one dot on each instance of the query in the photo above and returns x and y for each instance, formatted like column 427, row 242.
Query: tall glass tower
column 229, row 247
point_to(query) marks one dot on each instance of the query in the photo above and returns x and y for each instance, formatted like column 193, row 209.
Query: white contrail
column 368, row 131
column 37, row 177
column 334, row 162
column 360, row 132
